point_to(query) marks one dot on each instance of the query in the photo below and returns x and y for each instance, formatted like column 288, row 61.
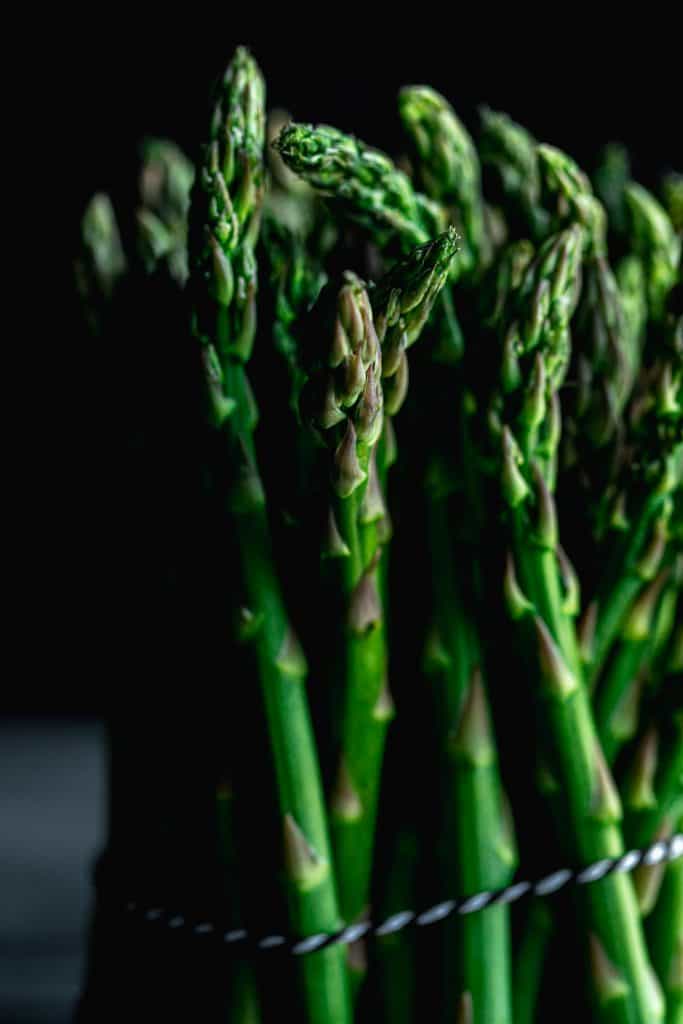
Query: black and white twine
column 656, row 853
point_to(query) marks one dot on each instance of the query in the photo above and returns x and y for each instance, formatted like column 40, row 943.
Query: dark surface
column 51, row 810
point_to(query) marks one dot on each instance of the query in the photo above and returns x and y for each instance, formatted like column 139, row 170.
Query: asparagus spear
column 366, row 354
column 363, row 182
column 546, row 299
column 610, row 179
column 658, row 245
column 101, row 262
column 509, row 151
column 165, row 182
column 226, row 208
column 616, row 701
column 448, row 167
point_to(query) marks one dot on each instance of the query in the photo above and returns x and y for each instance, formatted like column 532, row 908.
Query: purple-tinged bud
column 222, row 278
column 571, row 601
column 354, row 379
column 365, row 606
column 372, row 507
column 345, row 803
column 518, row 605
column 396, row 387
column 340, row 350
column 368, row 412
column 334, row 545
column 331, row 413
column 291, row 659
column 587, row 632
column 394, row 346
column 560, row 681
column 608, row 981
column 304, row 865
column 640, row 792
column 545, row 530
column 348, row 474
column 351, row 316
column 605, row 803
column 472, row 740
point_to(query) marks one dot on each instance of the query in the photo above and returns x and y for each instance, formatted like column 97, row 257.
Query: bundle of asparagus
column 502, row 539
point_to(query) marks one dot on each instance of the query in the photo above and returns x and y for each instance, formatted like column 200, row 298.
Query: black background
column 86, row 546
column 93, row 622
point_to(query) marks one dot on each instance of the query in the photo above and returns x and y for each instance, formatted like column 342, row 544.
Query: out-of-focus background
column 97, row 585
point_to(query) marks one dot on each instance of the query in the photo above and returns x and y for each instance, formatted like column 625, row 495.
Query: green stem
column 616, row 703
column 242, row 1003
column 529, row 962
column 282, row 671
column 594, row 812
column 620, row 586
column 666, row 938
column 395, row 953
column 367, row 708
column 475, row 832
column 654, row 784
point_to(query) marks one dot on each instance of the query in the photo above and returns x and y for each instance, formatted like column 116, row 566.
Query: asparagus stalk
column 654, row 782
column 226, row 208
column 616, row 702
column 666, row 938
column 242, row 1003
column 366, row 356
column 478, row 849
column 395, row 953
column 546, row 299
column 529, row 962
